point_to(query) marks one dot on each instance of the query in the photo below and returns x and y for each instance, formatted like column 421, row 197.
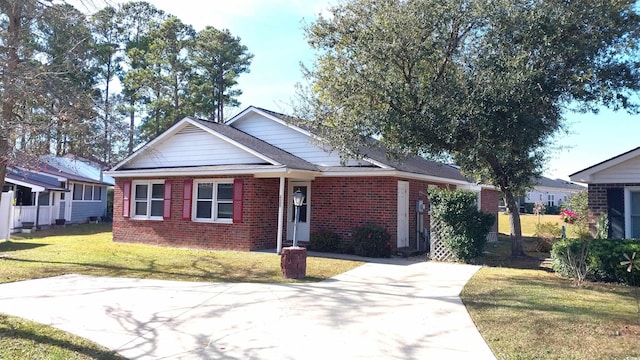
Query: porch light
column 298, row 199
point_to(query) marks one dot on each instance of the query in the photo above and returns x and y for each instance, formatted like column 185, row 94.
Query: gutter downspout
column 280, row 214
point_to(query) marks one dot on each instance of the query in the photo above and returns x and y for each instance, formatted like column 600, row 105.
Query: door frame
column 303, row 232
column 403, row 214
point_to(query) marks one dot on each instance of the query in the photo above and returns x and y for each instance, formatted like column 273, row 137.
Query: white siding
column 289, row 140
column 625, row 172
column 192, row 146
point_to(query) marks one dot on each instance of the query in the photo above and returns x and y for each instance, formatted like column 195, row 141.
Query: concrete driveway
column 395, row 310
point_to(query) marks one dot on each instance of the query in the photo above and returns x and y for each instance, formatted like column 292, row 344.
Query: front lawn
column 525, row 311
column 89, row 249
column 530, row 221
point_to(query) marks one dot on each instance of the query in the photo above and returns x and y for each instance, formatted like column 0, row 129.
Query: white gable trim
column 179, row 126
column 586, row 175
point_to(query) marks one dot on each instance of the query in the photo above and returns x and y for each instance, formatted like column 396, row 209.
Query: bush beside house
column 597, row 259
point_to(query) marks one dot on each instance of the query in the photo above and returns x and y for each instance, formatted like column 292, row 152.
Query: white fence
column 23, row 214
column 5, row 215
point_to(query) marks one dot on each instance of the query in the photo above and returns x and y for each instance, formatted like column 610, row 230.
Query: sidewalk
column 402, row 310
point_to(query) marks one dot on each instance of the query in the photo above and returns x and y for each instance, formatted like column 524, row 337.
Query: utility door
column 403, row 214
column 303, row 230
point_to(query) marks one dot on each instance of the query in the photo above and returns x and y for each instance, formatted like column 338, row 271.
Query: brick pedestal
column 293, row 262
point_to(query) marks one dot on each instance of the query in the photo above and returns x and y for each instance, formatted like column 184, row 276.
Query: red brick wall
column 340, row 204
column 257, row 230
column 489, row 201
column 597, row 198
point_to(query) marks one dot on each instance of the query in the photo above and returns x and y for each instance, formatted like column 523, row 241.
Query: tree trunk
column 517, row 246
column 132, row 124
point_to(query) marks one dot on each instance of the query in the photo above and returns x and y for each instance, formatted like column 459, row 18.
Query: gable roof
column 278, row 155
column 588, row 174
column 375, row 159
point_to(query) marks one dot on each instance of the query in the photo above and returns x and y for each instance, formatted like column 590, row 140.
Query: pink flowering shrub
column 568, row 216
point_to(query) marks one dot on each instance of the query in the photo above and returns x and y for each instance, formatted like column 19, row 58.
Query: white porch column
column 280, row 214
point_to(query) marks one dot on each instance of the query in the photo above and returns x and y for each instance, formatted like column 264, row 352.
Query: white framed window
column 85, row 192
column 632, row 212
column 551, row 200
column 213, row 200
column 148, row 200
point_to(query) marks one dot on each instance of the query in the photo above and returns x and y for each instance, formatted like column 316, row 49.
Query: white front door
column 403, row 214
column 303, row 229
column 56, row 206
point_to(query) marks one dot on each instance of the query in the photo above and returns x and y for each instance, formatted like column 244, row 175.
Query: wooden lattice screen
column 438, row 250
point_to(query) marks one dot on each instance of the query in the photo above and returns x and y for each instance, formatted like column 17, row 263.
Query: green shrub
column 598, row 259
column 605, row 257
column 324, row 241
column 346, row 247
column 372, row 241
column 528, row 208
column 569, row 258
column 547, row 234
column 552, row 210
column 463, row 228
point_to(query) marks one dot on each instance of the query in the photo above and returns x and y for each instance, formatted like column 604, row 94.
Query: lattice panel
column 439, row 251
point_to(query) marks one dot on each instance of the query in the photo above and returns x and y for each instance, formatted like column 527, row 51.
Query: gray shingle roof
column 559, row 184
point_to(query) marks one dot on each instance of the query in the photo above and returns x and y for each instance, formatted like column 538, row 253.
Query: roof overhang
column 587, row 175
column 263, row 171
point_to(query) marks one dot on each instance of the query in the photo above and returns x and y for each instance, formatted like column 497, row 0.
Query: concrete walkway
column 398, row 310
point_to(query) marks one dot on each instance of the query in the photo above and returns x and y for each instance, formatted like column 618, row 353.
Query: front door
column 303, row 229
column 403, row 214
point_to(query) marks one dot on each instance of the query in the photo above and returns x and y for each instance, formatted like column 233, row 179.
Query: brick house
column 614, row 190
column 227, row 186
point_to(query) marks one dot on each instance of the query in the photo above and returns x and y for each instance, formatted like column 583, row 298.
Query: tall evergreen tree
column 220, row 58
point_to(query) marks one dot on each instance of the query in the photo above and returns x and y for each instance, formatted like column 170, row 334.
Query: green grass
column 23, row 339
column 525, row 311
column 529, row 222
column 89, row 250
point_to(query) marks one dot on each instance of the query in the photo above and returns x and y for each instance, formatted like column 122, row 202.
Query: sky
column 273, row 32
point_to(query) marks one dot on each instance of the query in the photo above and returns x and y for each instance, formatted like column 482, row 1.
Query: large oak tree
column 486, row 82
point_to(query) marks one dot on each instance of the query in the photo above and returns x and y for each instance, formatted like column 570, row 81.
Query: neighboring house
column 614, row 190
column 228, row 186
column 55, row 188
column 551, row 192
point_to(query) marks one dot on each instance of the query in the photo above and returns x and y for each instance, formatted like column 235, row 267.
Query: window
column 148, row 200
column 87, row 192
column 634, row 215
column 550, row 200
column 213, row 200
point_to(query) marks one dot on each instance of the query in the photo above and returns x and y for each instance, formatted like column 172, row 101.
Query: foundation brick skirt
column 293, row 263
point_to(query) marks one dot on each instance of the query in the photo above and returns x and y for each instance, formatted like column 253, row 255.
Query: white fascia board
column 396, row 173
column 34, row 188
column 194, row 171
column 232, row 142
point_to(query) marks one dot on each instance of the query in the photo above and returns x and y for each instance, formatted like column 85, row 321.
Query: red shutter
column 237, row 200
column 166, row 212
column 126, row 195
column 186, row 199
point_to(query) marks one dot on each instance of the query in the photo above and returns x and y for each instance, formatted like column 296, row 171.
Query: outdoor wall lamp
column 298, row 199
